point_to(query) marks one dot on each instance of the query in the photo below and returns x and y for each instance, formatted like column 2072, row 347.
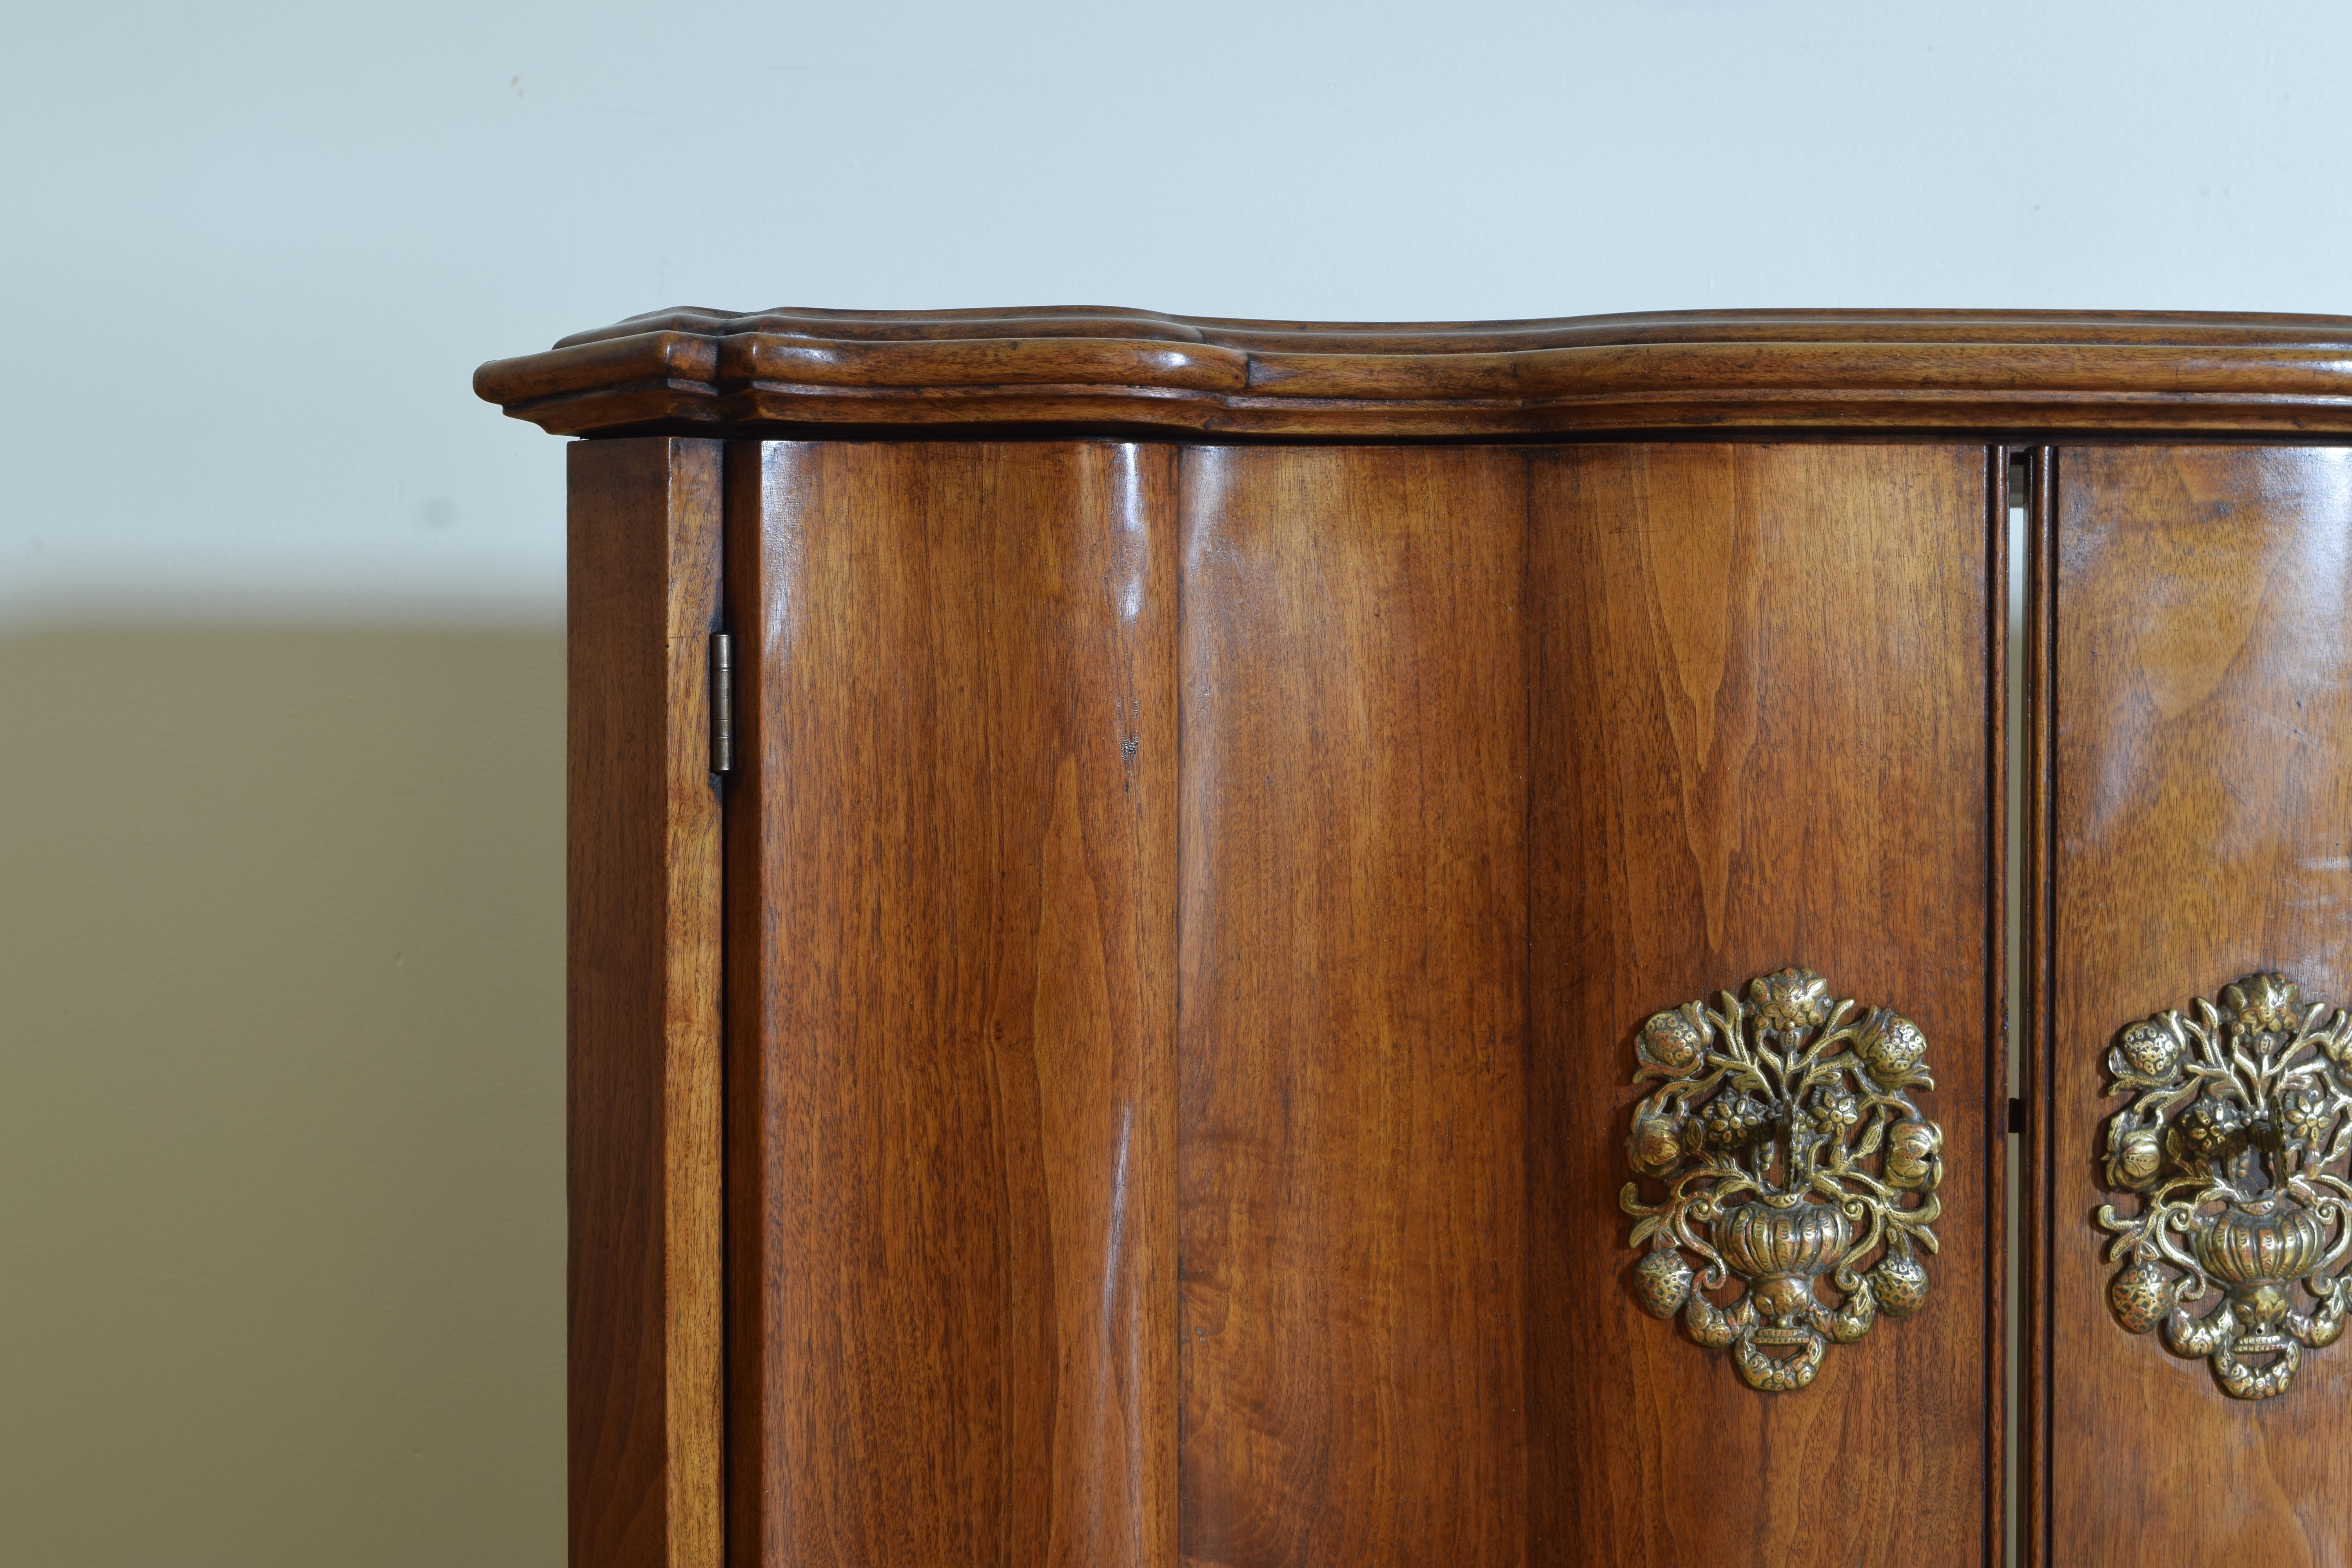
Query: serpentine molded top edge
column 709, row 371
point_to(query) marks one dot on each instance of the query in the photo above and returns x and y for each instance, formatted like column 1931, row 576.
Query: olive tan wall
column 281, row 1095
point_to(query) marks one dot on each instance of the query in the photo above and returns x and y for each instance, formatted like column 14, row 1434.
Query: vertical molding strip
column 1996, row 1034
column 2040, row 894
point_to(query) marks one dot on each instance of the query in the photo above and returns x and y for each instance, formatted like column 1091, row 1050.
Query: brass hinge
column 722, row 703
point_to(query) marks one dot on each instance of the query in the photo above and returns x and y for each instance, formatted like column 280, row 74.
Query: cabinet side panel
column 1760, row 738
column 643, row 1064
column 952, row 1003
column 2202, row 809
column 1353, row 969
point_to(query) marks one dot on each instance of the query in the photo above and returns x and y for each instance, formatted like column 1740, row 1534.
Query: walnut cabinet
column 1209, row 942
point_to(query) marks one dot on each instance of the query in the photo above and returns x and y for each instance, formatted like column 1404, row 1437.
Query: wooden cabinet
column 1209, row 942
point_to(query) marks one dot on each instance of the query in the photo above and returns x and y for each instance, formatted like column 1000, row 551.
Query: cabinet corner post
column 643, row 1038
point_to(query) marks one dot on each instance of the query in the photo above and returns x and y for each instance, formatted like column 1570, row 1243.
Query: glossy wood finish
column 2036, row 916
column 643, row 1088
column 710, row 371
column 1186, row 908
column 1999, row 1229
column 1408, row 984
column 1760, row 713
column 1351, row 1146
column 2202, row 820
column 951, row 1006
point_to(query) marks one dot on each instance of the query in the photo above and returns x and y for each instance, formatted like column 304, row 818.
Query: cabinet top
column 807, row 371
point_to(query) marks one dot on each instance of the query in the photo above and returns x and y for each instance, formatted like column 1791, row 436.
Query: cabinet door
column 2197, row 706
column 1192, row 914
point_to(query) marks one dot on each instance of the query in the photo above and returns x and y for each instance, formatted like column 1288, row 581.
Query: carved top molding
column 707, row 372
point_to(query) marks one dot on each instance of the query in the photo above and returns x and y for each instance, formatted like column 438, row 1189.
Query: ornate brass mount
column 2235, row 1140
column 1790, row 1150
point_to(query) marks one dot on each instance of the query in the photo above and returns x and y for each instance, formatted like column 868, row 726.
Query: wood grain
column 2202, row 822
column 951, row 1006
column 1760, row 714
column 2037, row 919
column 642, row 1076
column 1353, row 973
column 803, row 370
column 1999, row 1230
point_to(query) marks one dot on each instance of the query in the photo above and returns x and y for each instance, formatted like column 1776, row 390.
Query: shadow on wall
column 281, row 1098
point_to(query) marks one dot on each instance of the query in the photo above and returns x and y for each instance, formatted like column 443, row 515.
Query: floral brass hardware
column 1790, row 1150
column 2236, row 1116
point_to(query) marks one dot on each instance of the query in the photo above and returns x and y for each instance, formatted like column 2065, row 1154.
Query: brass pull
column 2235, row 1142
column 1790, row 1150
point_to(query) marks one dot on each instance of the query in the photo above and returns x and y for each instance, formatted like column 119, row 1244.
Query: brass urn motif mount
column 2235, row 1142
column 1791, row 1153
